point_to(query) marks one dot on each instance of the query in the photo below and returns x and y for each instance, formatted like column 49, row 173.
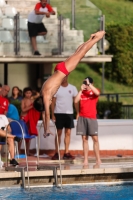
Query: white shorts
column 3, row 121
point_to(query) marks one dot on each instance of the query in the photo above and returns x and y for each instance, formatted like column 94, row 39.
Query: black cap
column 90, row 79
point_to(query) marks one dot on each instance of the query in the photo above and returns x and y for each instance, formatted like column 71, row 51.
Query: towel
column 31, row 120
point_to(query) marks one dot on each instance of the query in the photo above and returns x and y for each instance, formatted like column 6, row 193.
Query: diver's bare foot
column 96, row 166
column 48, row 133
column 99, row 35
column 99, row 162
column 85, row 163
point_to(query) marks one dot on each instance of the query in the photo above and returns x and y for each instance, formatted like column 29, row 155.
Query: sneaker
column 37, row 53
column 13, row 162
column 55, row 157
column 17, row 139
column 68, row 156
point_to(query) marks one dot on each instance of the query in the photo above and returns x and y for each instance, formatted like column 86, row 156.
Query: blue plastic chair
column 19, row 129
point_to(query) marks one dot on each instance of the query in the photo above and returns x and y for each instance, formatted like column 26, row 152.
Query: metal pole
column 38, row 140
column 58, row 152
column 103, row 51
column 16, row 34
column 60, row 35
column 103, row 75
column 5, row 73
column 24, row 149
column 73, row 13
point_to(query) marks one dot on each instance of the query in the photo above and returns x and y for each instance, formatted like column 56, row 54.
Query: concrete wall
column 1, row 73
column 113, row 135
column 21, row 75
column 24, row 75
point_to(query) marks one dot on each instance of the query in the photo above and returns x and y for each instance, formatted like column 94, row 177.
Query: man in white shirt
column 35, row 25
column 62, row 113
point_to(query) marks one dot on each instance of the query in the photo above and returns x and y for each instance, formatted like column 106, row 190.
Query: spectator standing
column 35, row 25
column 29, row 114
column 87, row 123
column 26, row 105
column 62, row 113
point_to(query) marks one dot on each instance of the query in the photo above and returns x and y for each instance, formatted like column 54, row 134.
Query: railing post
column 73, row 13
column 102, row 50
column 16, row 34
column 103, row 29
column 117, row 97
column 5, row 73
column 60, row 35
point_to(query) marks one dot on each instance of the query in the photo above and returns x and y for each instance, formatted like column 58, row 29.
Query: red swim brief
column 61, row 67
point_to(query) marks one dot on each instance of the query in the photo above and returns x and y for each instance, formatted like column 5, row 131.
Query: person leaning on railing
column 35, row 25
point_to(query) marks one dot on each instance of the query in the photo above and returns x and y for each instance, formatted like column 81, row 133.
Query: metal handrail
column 24, row 149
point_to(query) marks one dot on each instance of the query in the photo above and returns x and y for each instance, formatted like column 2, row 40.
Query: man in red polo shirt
column 35, row 25
column 4, row 123
column 87, row 122
column 4, row 101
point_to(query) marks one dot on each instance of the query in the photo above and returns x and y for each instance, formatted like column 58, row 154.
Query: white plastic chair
column 24, row 37
column 40, row 39
column 8, row 23
column 3, row 3
column 23, row 23
column 10, row 11
column 5, row 36
column 1, row 14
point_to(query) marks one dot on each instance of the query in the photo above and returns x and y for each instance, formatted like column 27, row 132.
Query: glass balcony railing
column 78, row 19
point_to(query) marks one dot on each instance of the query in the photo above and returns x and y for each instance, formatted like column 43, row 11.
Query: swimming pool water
column 85, row 192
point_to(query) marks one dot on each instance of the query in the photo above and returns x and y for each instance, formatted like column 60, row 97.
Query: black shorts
column 64, row 121
column 34, row 29
column 2, row 139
